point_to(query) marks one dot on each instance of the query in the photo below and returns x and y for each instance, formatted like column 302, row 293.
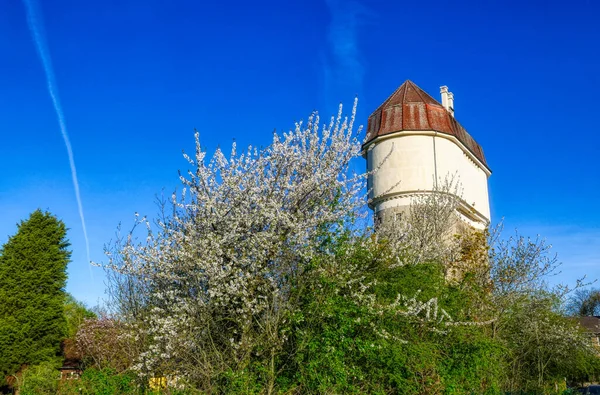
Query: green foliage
column 339, row 336
column 243, row 381
column 33, row 266
column 337, row 350
column 44, row 379
column 543, row 346
column 338, row 342
column 471, row 362
column 101, row 382
column 40, row 379
column 75, row 313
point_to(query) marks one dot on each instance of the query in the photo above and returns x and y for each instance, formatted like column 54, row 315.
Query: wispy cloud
column 345, row 67
column 37, row 31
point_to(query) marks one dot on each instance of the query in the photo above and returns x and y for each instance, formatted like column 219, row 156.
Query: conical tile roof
column 410, row 108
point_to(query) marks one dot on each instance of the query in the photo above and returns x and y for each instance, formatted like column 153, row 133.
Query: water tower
column 416, row 142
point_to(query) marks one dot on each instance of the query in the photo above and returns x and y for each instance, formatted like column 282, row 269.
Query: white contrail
column 37, row 31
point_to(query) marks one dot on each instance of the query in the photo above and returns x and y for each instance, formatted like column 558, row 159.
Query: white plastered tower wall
column 405, row 163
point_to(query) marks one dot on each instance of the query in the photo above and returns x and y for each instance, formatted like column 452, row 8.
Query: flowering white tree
column 212, row 276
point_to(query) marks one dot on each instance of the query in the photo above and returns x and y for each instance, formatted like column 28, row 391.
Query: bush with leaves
column 41, row 379
column 404, row 334
column 76, row 313
column 543, row 346
column 101, row 382
column 106, row 343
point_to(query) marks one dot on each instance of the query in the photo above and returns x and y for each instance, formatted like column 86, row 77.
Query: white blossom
column 225, row 249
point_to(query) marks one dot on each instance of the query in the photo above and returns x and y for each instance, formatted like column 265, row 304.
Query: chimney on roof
column 447, row 99
column 451, row 103
column 444, row 92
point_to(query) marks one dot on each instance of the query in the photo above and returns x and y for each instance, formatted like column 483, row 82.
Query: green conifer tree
column 33, row 275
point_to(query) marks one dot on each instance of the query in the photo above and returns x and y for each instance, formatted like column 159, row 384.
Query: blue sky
column 136, row 77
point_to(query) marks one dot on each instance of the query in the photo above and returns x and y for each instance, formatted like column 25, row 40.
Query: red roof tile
column 411, row 108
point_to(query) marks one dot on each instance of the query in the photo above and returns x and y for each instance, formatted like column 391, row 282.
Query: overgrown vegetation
column 259, row 279
column 44, row 379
